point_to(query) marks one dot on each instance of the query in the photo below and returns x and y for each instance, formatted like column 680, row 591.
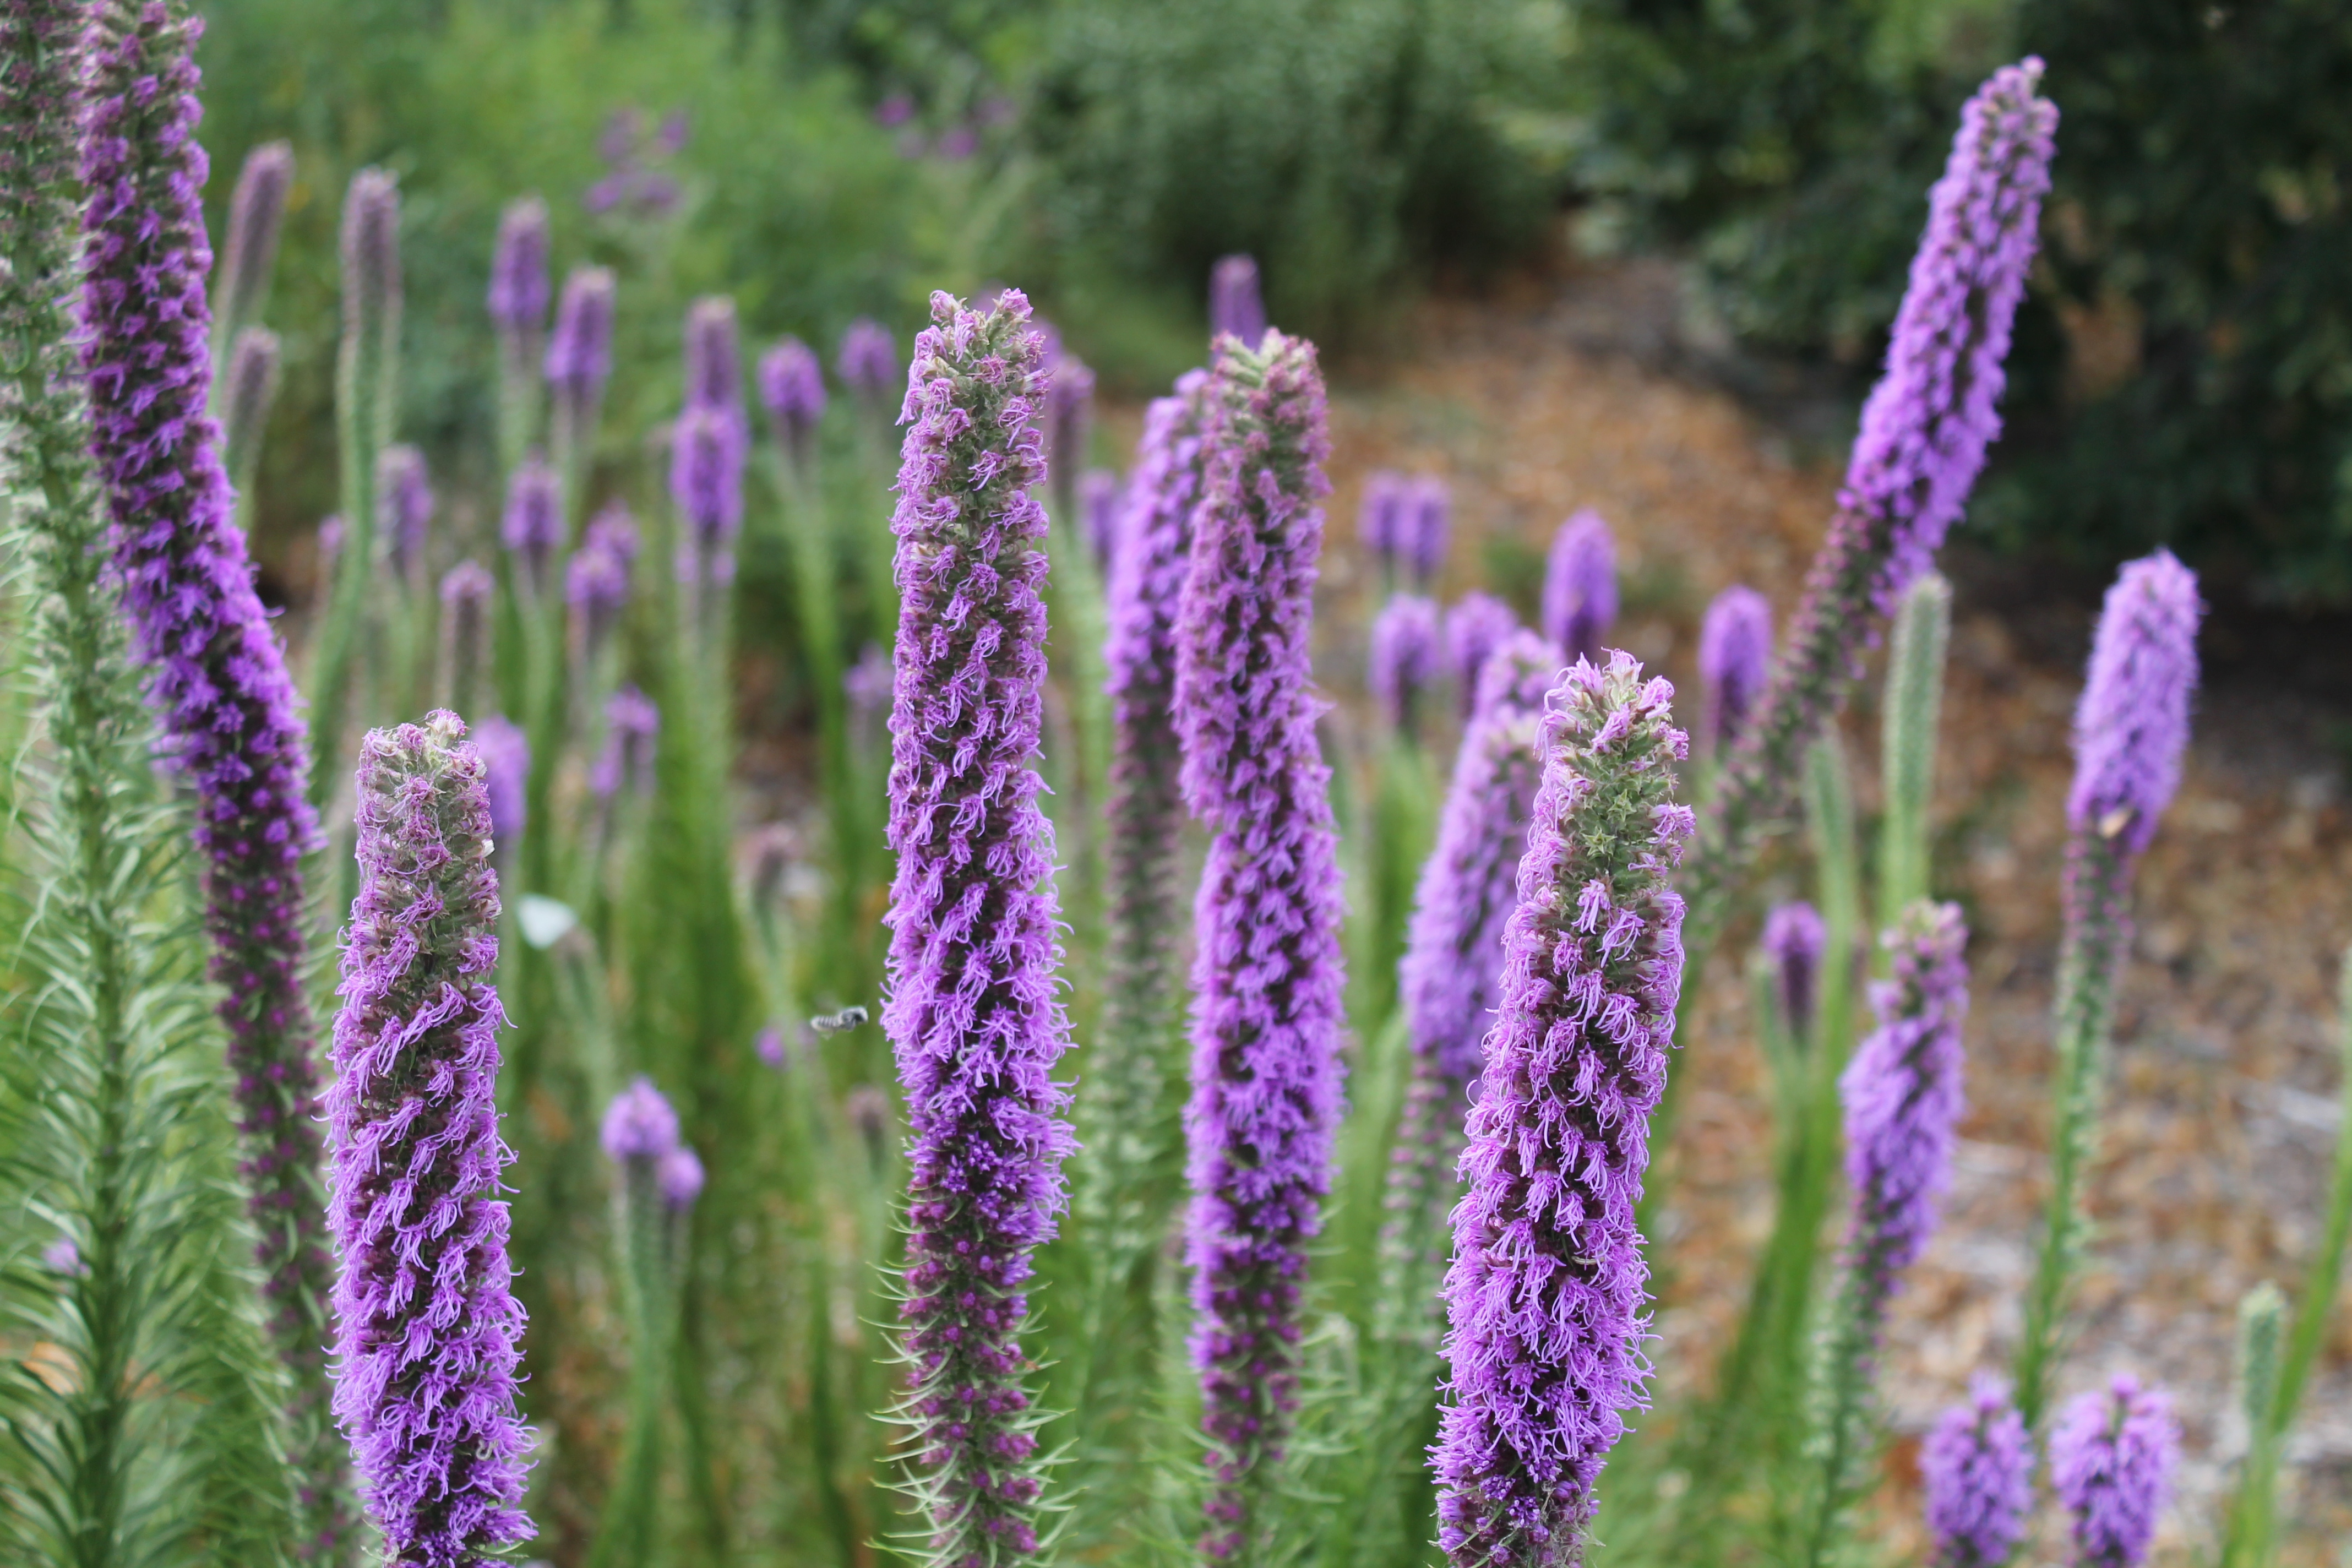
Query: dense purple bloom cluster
column 403, row 511
column 219, row 685
column 519, row 289
column 1381, row 516
column 1735, row 655
column 1266, row 969
column 639, row 1124
column 1579, row 589
column 2132, row 723
column 506, row 773
column 1902, row 1098
column 1793, row 940
column 1429, row 523
column 714, row 358
column 867, row 362
column 791, row 389
column 1976, row 1466
column 1235, row 305
column 580, row 354
column 531, row 527
column 1476, row 625
column 1099, row 499
column 1451, row 975
column 1404, row 659
column 429, row 1333
column 971, row 1010
column 2110, row 1458
column 1547, row 1298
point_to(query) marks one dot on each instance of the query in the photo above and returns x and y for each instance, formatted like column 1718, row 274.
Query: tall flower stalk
column 1547, row 1299
column 1266, row 972
column 220, row 686
column 257, row 212
column 516, row 301
column 2111, row 1457
column 427, row 1333
column 2131, row 726
column 1924, row 435
column 1975, row 1469
column 972, row 1011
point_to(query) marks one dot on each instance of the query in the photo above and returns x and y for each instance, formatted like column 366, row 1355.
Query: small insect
column 837, row 1023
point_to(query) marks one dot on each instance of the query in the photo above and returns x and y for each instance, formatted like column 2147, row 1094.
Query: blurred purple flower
column 639, row 1124
column 1381, row 517
column 894, row 110
column 1235, row 305
column 2110, row 1458
column 531, row 527
column 1478, row 624
column 1100, row 498
column 1403, row 661
column 404, row 506
column 632, row 724
column 868, row 362
column 1427, row 519
column 506, row 774
column 958, row 142
column 1793, row 939
column 1579, row 591
column 1976, row 1467
column 1735, row 654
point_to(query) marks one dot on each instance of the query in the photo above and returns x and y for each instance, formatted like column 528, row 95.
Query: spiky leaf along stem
column 1266, row 972
column 971, row 1011
column 220, row 685
column 1547, row 1299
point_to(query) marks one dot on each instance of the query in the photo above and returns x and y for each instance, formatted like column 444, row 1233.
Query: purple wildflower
column 678, row 1173
column 614, row 531
column 670, row 139
column 403, row 511
column 1735, row 654
column 1976, row 1465
column 1579, row 589
column 1428, row 508
column 467, row 589
column 1922, row 442
column 706, row 476
column 506, row 772
column 791, row 389
column 580, row 356
column 1069, row 416
column 958, row 142
column 596, row 586
column 894, row 110
column 632, row 725
column 1381, row 517
column 253, row 361
column 869, row 361
column 533, row 525
column 219, row 684
column 714, row 363
column 1403, row 663
column 1235, row 305
column 972, row 1011
column 62, row 1257
column 769, row 1046
column 1793, row 940
column 1266, row 972
column 1476, row 625
column 1451, row 975
column 1902, row 1093
column 429, row 1333
column 869, row 684
column 1098, row 514
column 257, row 214
column 2132, row 723
column 2110, row 1458
column 639, row 1124
column 1547, row 1298
column 518, row 283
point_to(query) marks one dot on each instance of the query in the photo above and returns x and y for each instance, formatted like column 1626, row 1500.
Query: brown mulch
column 1594, row 391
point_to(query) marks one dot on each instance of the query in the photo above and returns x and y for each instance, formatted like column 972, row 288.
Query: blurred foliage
column 2183, row 367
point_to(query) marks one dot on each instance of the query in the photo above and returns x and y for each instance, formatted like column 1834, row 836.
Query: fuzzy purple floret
column 1428, row 524
column 632, row 725
column 792, row 390
column 706, row 476
column 1266, row 972
column 506, row 772
column 532, row 523
column 714, row 361
column 1579, row 589
column 429, row 1333
column 1547, row 1298
column 1903, row 1097
column 1793, row 940
column 219, row 683
column 1381, row 517
column 403, row 508
column 1478, row 624
column 1235, row 305
column 2110, row 1458
column 1735, row 655
column 1403, row 660
column 580, row 351
column 2132, row 723
column 973, row 1011
column 518, row 290
column 257, row 212
column 867, row 362
column 639, row 1124
column 678, row 1174
column 1976, row 1468
column 1099, row 515
column 1451, row 974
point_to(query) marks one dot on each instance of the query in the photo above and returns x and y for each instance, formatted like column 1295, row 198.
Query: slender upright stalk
column 257, row 212
column 1915, row 693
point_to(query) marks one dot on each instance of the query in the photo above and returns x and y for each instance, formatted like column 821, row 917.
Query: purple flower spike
column 1903, row 1098
column 1450, row 978
column 580, row 356
column 404, row 504
column 2132, row 724
column 1476, row 625
column 706, row 476
column 1403, row 663
column 518, row 282
column 791, row 389
column 971, row 1010
column 1924, row 435
column 679, row 1176
column 632, row 725
column 1793, row 940
column 1099, row 512
column 1547, row 1298
column 1735, row 654
column 1579, row 591
column 533, row 525
column 1428, row 513
column 257, row 213
column 1070, row 410
column 1266, row 972
column 506, row 772
column 596, row 587
column 639, row 1124
column 769, row 1046
column 467, row 589
column 429, row 1333
column 614, row 531
column 1977, row 1467
column 869, row 361
column 2110, row 1458
column 1381, row 517
column 714, row 363
column 219, row 684
column 253, row 361
column 1235, row 305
